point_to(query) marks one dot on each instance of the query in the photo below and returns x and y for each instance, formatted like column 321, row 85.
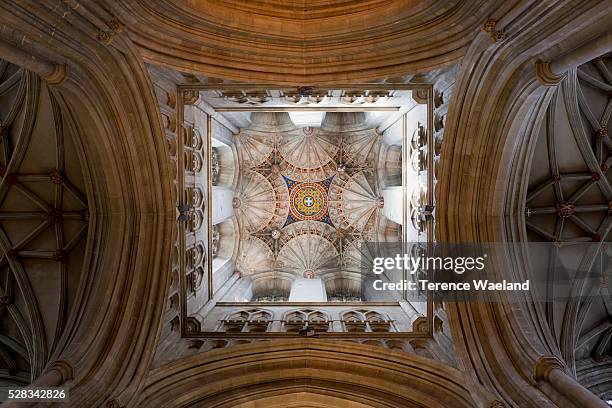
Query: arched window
column 247, row 321
column 194, row 267
column 306, row 319
column 366, row 321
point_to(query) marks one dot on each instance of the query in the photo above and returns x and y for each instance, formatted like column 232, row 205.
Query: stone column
column 52, row 73
column 56, row 375
column 552, row 370
column 550, row 73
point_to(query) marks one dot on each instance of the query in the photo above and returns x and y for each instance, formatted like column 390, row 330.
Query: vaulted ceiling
column 307, row 198
column 569, row 202
column 43, row 224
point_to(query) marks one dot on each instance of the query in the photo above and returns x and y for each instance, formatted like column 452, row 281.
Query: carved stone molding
column 58, row 76
column 464, row 214
column 420, row 324
column 191, row 97
column 65, row 370
column 420, row 96
column 88, row 111
column 249, row 52
column 318, row 361
column 545, row 74
column 489, row 28
column 544, row 365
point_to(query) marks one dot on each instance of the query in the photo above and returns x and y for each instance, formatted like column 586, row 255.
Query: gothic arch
column 44, row 221
column 290, row 396
column 488, row 136
column 402, row 37
column 107, row 98
column 237, row 374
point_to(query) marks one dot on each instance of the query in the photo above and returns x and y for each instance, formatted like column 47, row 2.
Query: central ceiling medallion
column 308, row 201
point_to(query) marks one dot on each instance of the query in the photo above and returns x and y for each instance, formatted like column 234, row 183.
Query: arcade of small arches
column 262, row 320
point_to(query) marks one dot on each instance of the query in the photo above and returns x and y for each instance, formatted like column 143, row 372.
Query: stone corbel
column 420, row 325
column 64, row 369
column 420, row 96
column 545, row 74
column 544, row 365
column 191, row 97
column 54, row 74
column 57, row 77
column 546, row 71
column 553, row 371
column 56, row 375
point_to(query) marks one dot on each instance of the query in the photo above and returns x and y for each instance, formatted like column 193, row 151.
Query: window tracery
column 306, row 319
column 247, row 321
column 195, row 261
column 366, row 321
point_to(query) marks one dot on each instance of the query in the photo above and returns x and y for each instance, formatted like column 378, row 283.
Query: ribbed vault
column 43, row 224
column 570, row 201
column 102, row 101
column 490, row 135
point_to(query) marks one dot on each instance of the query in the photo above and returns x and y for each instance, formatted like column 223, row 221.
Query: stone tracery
column 305, row 192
